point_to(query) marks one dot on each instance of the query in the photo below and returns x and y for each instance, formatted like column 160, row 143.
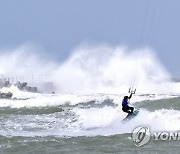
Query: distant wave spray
column 99, row 69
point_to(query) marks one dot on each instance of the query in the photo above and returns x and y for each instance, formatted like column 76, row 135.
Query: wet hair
column 126, row 97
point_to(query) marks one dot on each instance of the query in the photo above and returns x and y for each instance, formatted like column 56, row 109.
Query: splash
column 106, row 69
column 99, row 69
column 24, row 63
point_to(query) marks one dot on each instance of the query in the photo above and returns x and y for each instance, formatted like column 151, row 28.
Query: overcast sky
column 61, row 25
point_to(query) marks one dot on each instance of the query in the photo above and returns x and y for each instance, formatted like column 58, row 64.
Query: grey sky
column 60, row 25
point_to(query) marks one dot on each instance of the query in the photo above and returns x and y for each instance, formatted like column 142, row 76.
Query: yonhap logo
column 141, row 136
column 163, row 136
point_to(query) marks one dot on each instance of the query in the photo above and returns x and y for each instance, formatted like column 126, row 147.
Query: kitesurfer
column 125, row 106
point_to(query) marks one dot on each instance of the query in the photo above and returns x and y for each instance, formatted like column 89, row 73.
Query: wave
column 87, row 122
column 90, row 85
column 89, row 115
column 98, row 69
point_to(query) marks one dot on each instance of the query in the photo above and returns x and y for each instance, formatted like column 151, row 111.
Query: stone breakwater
column 23, row 86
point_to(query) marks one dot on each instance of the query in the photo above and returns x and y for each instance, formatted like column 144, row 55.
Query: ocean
column 84, row 114
column 91, row 123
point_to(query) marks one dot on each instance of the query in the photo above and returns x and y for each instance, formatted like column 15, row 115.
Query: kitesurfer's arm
column 130, row 96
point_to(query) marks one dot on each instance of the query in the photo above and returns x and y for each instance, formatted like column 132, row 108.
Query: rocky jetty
column 24, row 87
column 20, row 85
column 7, row 95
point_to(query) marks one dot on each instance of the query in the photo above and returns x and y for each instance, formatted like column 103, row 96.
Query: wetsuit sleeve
column 130, row 96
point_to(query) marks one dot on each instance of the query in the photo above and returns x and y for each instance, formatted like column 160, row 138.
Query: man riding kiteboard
column 125, row 107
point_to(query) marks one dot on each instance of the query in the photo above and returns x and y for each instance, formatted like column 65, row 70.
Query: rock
column 18, row 84
column 6, row 95
column 23, row 84
column 30, row 89
column 27, row 88
column 7, row 84
column 34, row 89
column 1, row 84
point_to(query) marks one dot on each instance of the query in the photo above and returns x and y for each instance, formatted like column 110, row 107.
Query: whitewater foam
column 81, row 115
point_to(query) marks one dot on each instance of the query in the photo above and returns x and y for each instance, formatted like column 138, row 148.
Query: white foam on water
column 108, row 121
column 92, row 122
column 27, row 99
column 86, row 121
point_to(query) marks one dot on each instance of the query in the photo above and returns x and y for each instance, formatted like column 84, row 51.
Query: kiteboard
column 131, row 115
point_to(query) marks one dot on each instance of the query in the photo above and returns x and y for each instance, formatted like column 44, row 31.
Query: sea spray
column 99, row 69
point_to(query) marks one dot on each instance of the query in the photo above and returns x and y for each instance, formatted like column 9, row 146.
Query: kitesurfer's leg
column 131, row 108
column 126, row 109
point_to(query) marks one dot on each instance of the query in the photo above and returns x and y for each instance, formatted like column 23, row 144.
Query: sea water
column 55, row 123
column 85, row 114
